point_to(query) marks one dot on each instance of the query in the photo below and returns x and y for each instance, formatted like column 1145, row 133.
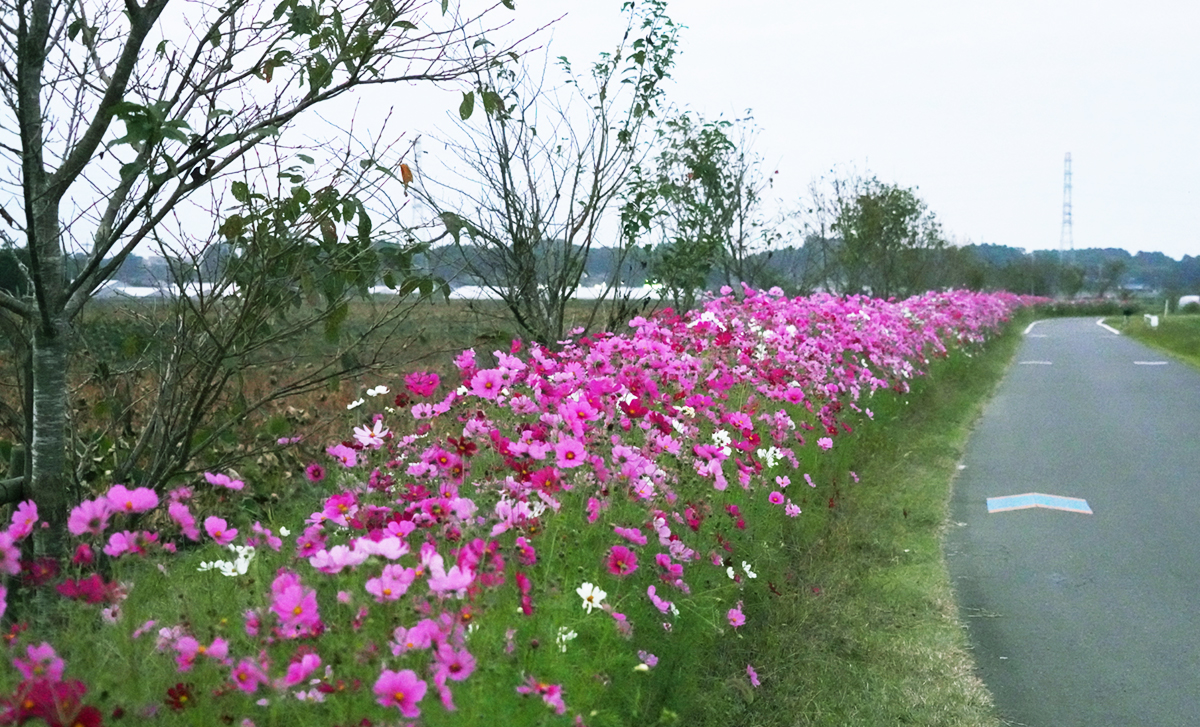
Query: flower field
column 563, row 537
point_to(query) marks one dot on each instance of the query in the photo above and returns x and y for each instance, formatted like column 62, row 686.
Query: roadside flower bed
column 556, row 537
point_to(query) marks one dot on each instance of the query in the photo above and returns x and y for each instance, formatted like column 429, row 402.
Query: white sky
column 974, row 103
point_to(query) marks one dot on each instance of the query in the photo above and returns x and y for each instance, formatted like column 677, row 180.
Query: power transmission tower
column 1066, row 242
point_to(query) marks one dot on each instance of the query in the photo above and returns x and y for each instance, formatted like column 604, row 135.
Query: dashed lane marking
column 1149, row 363
column 1036, row 363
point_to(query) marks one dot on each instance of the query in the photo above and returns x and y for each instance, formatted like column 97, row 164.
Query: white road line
column 1149, row 363
column 1100, row 322
column 1036, row 363
column 1038, row 335
column 1030, row 327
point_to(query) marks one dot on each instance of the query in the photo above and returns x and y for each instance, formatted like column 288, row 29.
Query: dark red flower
column 39, row 571
column 179, row 696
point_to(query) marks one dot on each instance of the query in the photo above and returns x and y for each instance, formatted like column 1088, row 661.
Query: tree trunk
column 50, row 483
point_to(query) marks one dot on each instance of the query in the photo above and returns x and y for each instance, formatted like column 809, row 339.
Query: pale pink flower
column 42, row 663
column 89, row 516
column 753, row 676
column 122, row 499
column 825, row 443
column 346, row 455
column 183, row 517
column 223, row 480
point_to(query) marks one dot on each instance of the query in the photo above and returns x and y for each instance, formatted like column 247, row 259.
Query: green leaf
column 240, row 192
column 467, row 107
column 510, row 4
column 445, row 6
column 333, row 324
column 492, row 102
column 232, row 227
column 405, row 25
column 305, row 158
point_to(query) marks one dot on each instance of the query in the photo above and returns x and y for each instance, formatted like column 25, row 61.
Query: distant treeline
column 797, row 269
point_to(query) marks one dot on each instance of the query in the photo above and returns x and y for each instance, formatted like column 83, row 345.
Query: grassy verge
column 865, row 630
column 1176, row 335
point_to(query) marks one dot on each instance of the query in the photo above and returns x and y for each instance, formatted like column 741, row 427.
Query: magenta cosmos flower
column 775, row 498
column 422, row 383
column 401, row 689
column 621, row 561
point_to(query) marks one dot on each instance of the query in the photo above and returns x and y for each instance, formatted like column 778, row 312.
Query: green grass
column 1178, row 335
column 865, row 630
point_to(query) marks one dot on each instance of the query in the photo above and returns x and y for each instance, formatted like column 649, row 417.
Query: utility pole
column 1066, row 241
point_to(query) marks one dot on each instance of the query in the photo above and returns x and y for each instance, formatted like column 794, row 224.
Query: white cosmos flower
column 381, row 389
column 355, row 404
column 565, row 634
column 591, row 595
column 749, row 573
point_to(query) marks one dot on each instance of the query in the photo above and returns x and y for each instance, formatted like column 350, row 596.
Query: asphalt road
column 1076, row 619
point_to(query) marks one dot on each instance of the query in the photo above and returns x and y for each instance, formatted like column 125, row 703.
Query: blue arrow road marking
column 1037, row 499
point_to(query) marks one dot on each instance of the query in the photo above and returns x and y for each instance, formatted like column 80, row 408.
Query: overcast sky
column 973, row 103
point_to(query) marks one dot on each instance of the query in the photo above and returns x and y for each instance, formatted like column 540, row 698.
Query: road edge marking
column 1100, row 322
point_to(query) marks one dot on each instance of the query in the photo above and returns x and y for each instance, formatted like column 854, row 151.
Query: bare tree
column 542, row 167
column 199, row 89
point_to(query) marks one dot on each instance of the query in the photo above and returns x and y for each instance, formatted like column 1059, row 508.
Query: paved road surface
column 1088, row 620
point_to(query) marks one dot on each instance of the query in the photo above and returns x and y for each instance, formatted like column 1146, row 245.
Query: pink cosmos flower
column 10, row 556
column 422, row 383
column 570, row 453
column 346, row 455
column 775, row 498
column 295, row 605
column 552, row 694
column 661, row 604
column 300, row 669
column 401, row 689
column 247, row 675
column 633, row 535
column 23, row 519
column 219, row 530
column 336, row 558
column 122, row 499
column 456, row 580
column 650, row 660
column 314, row 472
column 621, row 561
column 223, row 480
column 825, row 443
column 392, row 583
column 372, row 436
column 791, row 509
column 183, row 517
column 753, row 676
column 486, row 384
column 89, row 516
column 42, row 663
column 736, row 617
column 455, row 664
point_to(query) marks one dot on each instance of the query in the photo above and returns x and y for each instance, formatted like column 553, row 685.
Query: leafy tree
column 889, row 241
column 542, row 167
column 117, row 120
column 699, row 207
